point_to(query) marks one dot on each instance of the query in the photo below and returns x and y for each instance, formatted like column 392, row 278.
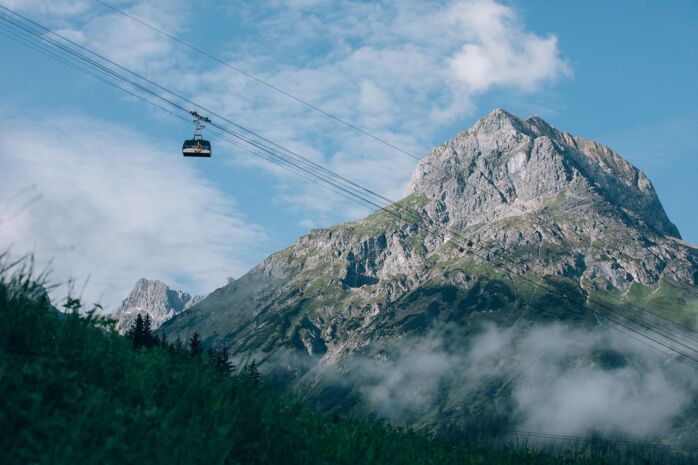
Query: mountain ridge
column 574, row 223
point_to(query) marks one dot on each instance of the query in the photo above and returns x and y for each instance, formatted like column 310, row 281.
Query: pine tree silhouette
column 212, row 355
column 135, row 332
column 223, row 362
column 141, row 333
column 195, row 346
column 252, row 373
column 178, row 346
column 148, row 340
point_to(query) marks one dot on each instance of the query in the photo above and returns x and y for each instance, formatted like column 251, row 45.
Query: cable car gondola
column 197, row 147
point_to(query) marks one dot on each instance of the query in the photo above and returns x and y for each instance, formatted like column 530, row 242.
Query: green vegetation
column 669, row 298
column 416, row 243
column 75, row 392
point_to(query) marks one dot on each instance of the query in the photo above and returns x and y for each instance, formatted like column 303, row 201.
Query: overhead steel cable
column 140, row 87
column 325, row 113
column 373, row 203
column 397, row 215
column 258, row 79
column 220, row 134
column 190, row 102
column 258, row 153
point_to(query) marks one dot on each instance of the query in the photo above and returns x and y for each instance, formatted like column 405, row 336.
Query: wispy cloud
column 116, row 207
column 405, row 71
column 549, row 378
column 53, row 9
column 111, row 34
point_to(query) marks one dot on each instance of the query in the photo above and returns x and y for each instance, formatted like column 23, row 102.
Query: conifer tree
column 212, row 355
column 252, row 373
column 135, row 332
column 195, row 346
column 141, row 333
column 223, row 362
column 147, row 338
column 178, row 345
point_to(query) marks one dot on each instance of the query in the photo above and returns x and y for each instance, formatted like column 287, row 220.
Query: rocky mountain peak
column 154, row 298
column 504, row 166
column 499, row 121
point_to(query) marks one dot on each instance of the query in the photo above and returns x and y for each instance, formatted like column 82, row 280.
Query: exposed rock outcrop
column 155, row 299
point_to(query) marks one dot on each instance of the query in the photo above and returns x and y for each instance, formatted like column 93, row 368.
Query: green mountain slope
column 74, row 391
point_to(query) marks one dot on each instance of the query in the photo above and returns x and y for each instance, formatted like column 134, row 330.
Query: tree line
column 142, row 336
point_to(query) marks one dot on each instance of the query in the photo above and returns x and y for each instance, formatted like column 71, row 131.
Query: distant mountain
column 562, row 229
column 152, row 298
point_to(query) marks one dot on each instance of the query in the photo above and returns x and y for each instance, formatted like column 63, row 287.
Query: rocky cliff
column 155, row 299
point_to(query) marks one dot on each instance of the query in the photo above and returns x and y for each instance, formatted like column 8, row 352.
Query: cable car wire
column 277, row 161
column 180, row 97
column 526, row 433
column 398, row 215
column 337, row 119
column 258, row 79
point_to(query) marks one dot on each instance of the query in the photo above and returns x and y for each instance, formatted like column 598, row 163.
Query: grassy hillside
column 72, row 391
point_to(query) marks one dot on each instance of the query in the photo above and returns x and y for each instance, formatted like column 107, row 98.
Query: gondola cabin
column 196, row 148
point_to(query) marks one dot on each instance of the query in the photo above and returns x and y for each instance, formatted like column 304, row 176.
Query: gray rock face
column 152, row 298
column 504, row 166
column 548, row 205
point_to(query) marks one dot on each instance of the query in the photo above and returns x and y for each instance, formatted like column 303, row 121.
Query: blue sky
column 110, row 197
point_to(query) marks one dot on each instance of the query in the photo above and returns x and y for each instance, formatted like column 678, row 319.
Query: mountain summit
column 537, row 204
column 504, row 166
column 153, row 298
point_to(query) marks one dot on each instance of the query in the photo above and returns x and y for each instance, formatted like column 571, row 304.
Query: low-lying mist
column 543, row 378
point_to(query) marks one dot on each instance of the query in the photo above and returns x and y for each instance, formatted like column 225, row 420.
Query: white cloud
column 109, row 33
column 547, row 378
column 116, row 207
column 500, row 52
column 560, row 391
column 405, row 71
column 50, row 8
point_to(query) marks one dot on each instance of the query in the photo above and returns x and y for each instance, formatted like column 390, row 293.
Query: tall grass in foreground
column 72, row 391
